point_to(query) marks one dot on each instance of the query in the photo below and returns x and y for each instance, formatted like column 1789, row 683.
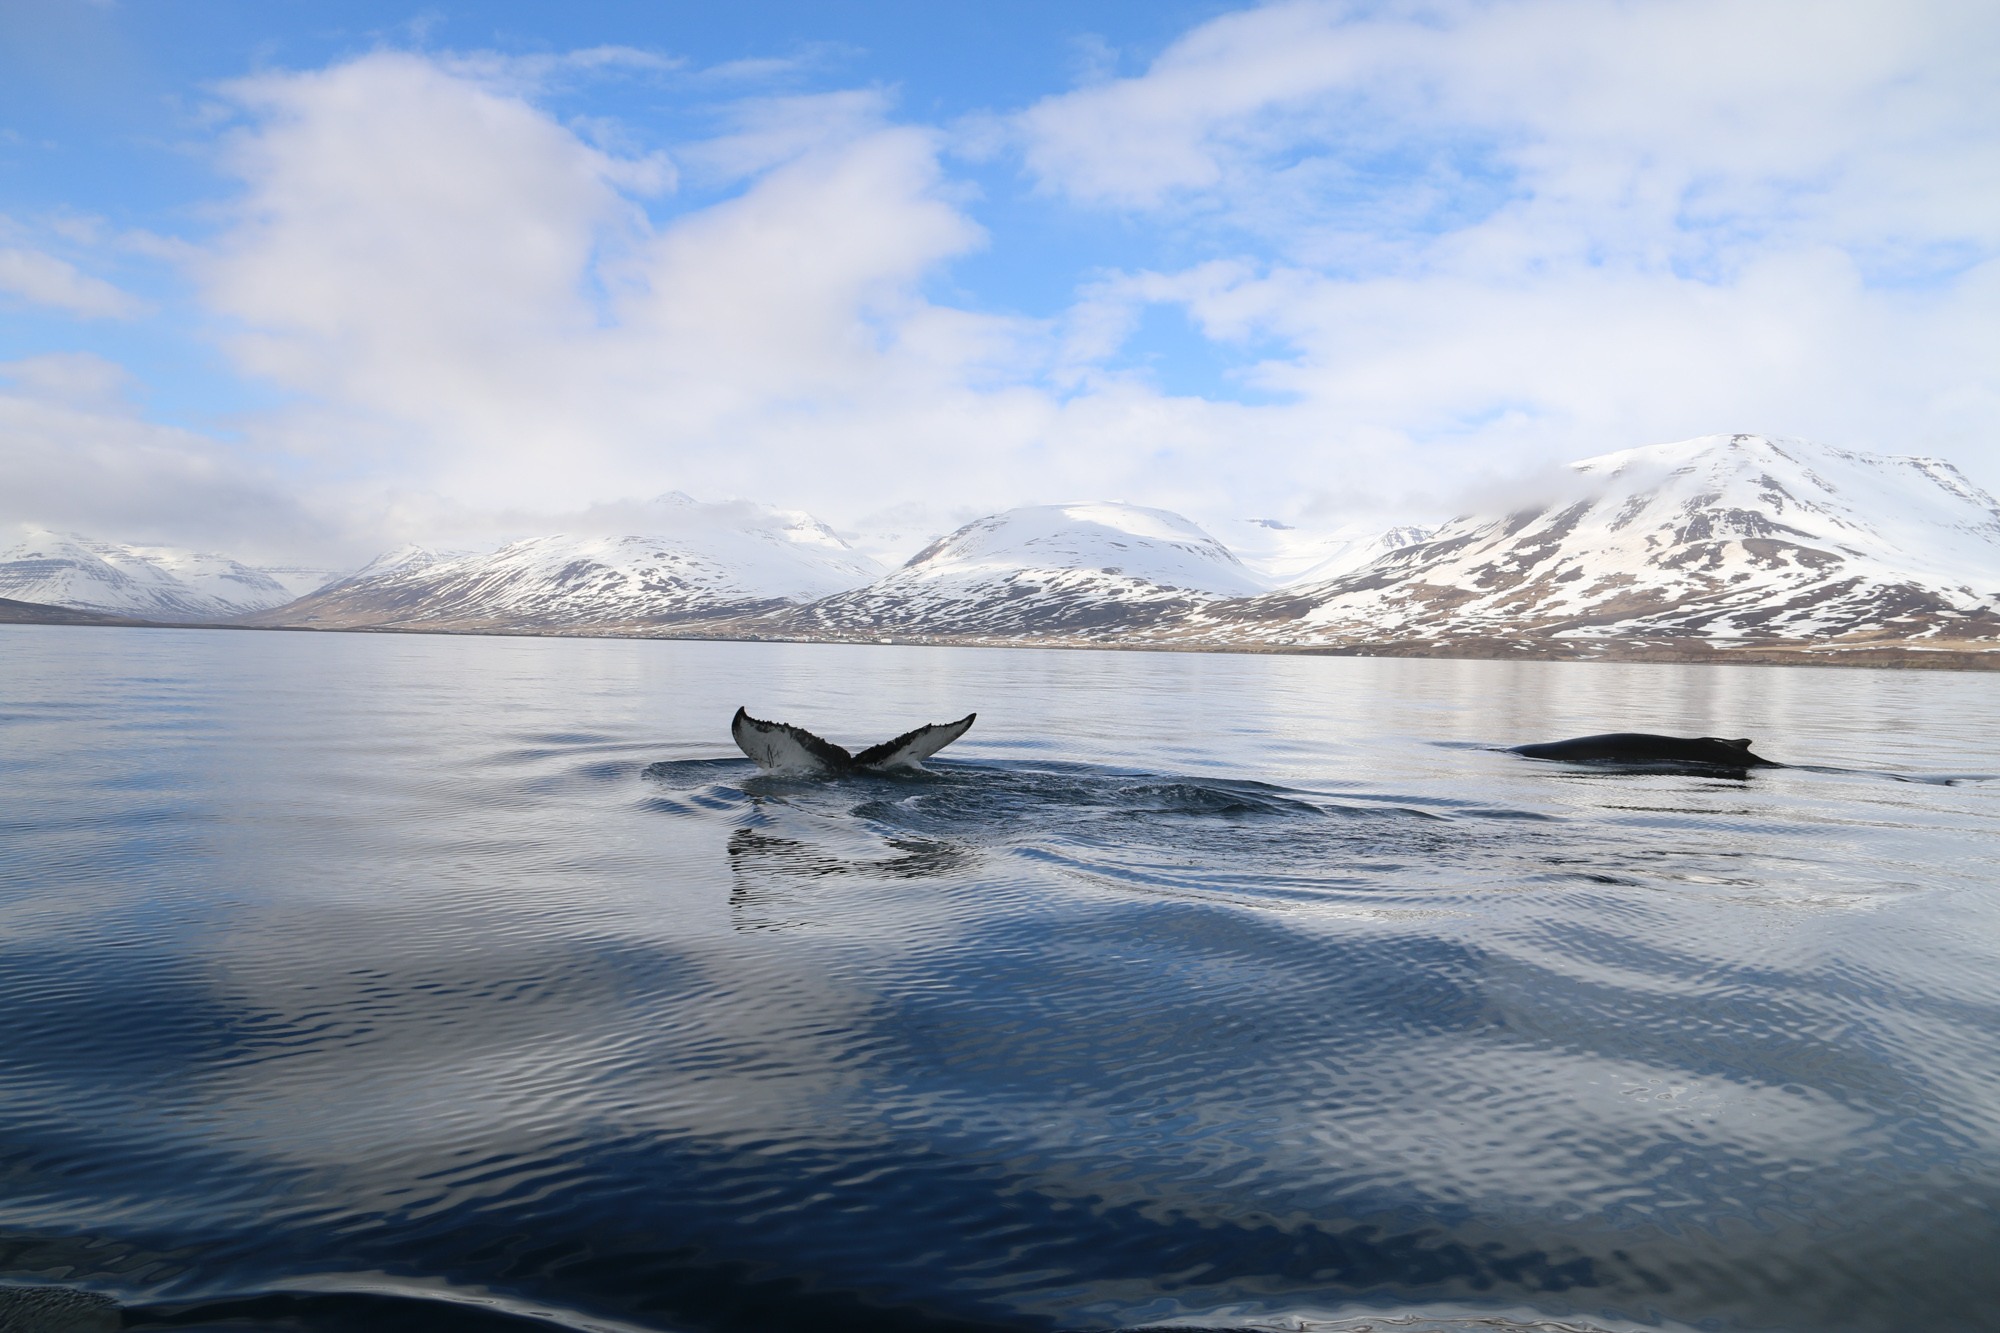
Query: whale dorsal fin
column 779, row 747
column 913, row 747
column 1736, row 743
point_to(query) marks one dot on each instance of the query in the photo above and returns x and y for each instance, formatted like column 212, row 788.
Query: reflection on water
column 365, row 982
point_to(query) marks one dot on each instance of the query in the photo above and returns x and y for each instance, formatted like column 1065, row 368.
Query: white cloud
column 1449, row 375
column 46, row 280
column 478, row 311
column 1442, row 243
column 1467, row 236
column 452, row 268
column 1131, row 141
column 78, row 456
column 1704, row 125
column 767, row 131
column 69, row 377
column 393, row 208
column 805, row 59
column 529, row 74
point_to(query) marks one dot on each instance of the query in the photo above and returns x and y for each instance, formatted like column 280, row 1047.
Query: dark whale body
column 779, row 747
column 1639, row 747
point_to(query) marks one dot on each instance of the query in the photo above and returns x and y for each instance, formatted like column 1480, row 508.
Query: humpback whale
column 1639, row 747
column 779, row 747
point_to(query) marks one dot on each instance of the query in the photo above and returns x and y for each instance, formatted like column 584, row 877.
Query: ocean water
column 357, row 982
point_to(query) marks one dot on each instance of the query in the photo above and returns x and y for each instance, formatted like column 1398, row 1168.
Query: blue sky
column 310, row 279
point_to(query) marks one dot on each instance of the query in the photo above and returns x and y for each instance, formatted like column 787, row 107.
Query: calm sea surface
column 358, row 982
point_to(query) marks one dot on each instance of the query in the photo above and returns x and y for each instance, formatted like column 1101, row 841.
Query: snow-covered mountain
column 401, row 559
column 1723, row 542
column 705, row 562
column 148, row 582
column 1044, row 569
column 1281, row 554
column 1726, row 540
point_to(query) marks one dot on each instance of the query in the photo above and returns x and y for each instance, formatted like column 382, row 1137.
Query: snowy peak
column 785, row 553
column 400, row 560
column 1120, row 540
column 1077, row 569
column 1364, row 547
column 703, row 562
column 1671, row 550
column 150, row 582
column 1281, row 554
column 1726, row 538
column 1915, row 515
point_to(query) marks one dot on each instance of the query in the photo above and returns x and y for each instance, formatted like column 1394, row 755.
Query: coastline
column 1950, row 656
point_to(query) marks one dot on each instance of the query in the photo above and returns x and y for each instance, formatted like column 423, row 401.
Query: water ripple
column 362, row 983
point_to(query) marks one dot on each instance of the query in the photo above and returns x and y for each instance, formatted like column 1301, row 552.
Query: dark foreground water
column 470, row 985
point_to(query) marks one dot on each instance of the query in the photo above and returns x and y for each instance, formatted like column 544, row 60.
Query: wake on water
column 1240, row 840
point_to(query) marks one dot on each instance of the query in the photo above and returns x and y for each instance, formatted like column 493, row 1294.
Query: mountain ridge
column 1096, row 567
column 1725, row 547
column 708, row 563
column 1739, row 540
column 154, row 583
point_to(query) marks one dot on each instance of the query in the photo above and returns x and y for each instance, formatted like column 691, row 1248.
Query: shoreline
column 1879, row 656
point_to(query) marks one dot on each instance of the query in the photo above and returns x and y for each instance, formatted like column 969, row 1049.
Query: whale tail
column 913, row 747
column 779, row 747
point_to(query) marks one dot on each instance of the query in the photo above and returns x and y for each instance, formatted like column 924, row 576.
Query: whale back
column 1638, row 747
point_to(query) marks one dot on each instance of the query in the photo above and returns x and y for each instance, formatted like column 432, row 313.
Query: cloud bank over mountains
column 1307, row 258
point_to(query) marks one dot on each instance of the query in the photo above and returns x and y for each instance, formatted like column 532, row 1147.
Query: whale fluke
column 779, row 747
column 913, row 747
column 1639, row 747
